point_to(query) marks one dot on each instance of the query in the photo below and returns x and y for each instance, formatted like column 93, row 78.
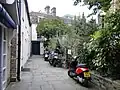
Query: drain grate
column 25, row 69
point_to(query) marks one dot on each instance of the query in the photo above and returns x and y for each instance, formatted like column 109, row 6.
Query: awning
column 12, row 9
column 6, row 19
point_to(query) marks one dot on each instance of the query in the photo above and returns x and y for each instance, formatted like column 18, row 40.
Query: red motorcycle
column 79, row 72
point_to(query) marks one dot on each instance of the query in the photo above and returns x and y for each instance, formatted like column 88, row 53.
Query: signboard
column 69, row 51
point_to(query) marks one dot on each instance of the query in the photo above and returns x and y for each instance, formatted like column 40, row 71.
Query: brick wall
column 13, row 59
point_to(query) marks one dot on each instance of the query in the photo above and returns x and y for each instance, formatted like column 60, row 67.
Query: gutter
column 6, row 19
column 27, row 9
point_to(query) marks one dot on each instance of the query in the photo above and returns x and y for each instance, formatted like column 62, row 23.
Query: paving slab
column 42, row 76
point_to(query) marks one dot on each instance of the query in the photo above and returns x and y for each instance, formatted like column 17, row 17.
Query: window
column 4, row 34
column 4, row 46
column 4, row 71
column 4, row 61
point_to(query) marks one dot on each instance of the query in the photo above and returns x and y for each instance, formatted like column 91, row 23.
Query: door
column 4, row 59
column 35, row 47
column 0, row 57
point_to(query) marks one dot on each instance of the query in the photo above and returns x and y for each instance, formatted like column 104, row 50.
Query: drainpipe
column 19, row 41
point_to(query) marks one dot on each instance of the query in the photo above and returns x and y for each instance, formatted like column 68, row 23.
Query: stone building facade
column 36, row 17
column 115, row 4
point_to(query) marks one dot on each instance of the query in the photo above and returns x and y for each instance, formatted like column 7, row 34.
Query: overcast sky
column 62, row 7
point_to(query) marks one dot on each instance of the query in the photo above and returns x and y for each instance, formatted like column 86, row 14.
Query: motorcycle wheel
column 85, row 83
column 60, row 64
column 45, row 59
column 69, row 74
column 54, row 64
column 50, row 62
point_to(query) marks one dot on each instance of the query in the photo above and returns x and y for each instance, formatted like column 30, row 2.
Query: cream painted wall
column 25, row 35
column 34, row 33
column 41, row 48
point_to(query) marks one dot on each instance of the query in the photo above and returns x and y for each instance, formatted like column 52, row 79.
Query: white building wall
column 25, row 35
column 41, row 48
column 34, row 32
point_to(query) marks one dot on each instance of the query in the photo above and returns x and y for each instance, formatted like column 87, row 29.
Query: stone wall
column 104, row 83
column 13, row 59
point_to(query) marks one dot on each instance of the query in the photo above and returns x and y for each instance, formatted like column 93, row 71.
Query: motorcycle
column 55, row 59
column 51, row 55
column 80, row 73
column 46, row 55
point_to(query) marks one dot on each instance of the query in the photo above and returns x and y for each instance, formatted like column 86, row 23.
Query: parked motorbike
column 46, row 55
column 55, row 59
column 80, row 73
column 51, row 55
column 57, row 62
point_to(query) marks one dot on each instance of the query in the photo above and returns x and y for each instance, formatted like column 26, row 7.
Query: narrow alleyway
column 42, row 76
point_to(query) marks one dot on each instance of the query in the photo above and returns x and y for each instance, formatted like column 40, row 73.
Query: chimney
column 53, row 11
column 47, row 9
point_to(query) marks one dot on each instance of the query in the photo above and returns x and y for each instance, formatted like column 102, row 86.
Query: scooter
column 46, row 55
column 51, row 55
column 81, row 73
column 55, row 59
column 57, row 62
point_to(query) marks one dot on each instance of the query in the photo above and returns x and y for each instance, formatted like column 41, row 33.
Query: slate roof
column 27, row 9
column 36, row 14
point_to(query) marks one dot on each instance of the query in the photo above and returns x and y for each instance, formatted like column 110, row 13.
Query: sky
column 63, row 7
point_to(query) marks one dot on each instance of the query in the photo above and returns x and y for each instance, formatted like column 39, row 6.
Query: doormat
column 25, row 69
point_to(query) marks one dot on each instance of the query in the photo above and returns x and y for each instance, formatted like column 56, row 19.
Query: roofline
column 27, row 9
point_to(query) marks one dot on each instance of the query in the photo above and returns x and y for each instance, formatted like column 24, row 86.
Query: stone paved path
column 42, row 76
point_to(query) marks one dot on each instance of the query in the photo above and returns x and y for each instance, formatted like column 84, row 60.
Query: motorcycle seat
column 81, row 65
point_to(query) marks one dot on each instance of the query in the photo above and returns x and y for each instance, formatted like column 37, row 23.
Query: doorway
column 35, row 48
column 4, row 58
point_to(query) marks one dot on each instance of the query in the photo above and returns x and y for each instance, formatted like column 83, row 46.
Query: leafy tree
column 83, row 30
column 96, row 4
column 104, row 47
column 102, row 51
column 51, row 27
column 77, row 34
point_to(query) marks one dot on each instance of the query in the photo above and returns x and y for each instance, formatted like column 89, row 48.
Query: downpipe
column 19, row 41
